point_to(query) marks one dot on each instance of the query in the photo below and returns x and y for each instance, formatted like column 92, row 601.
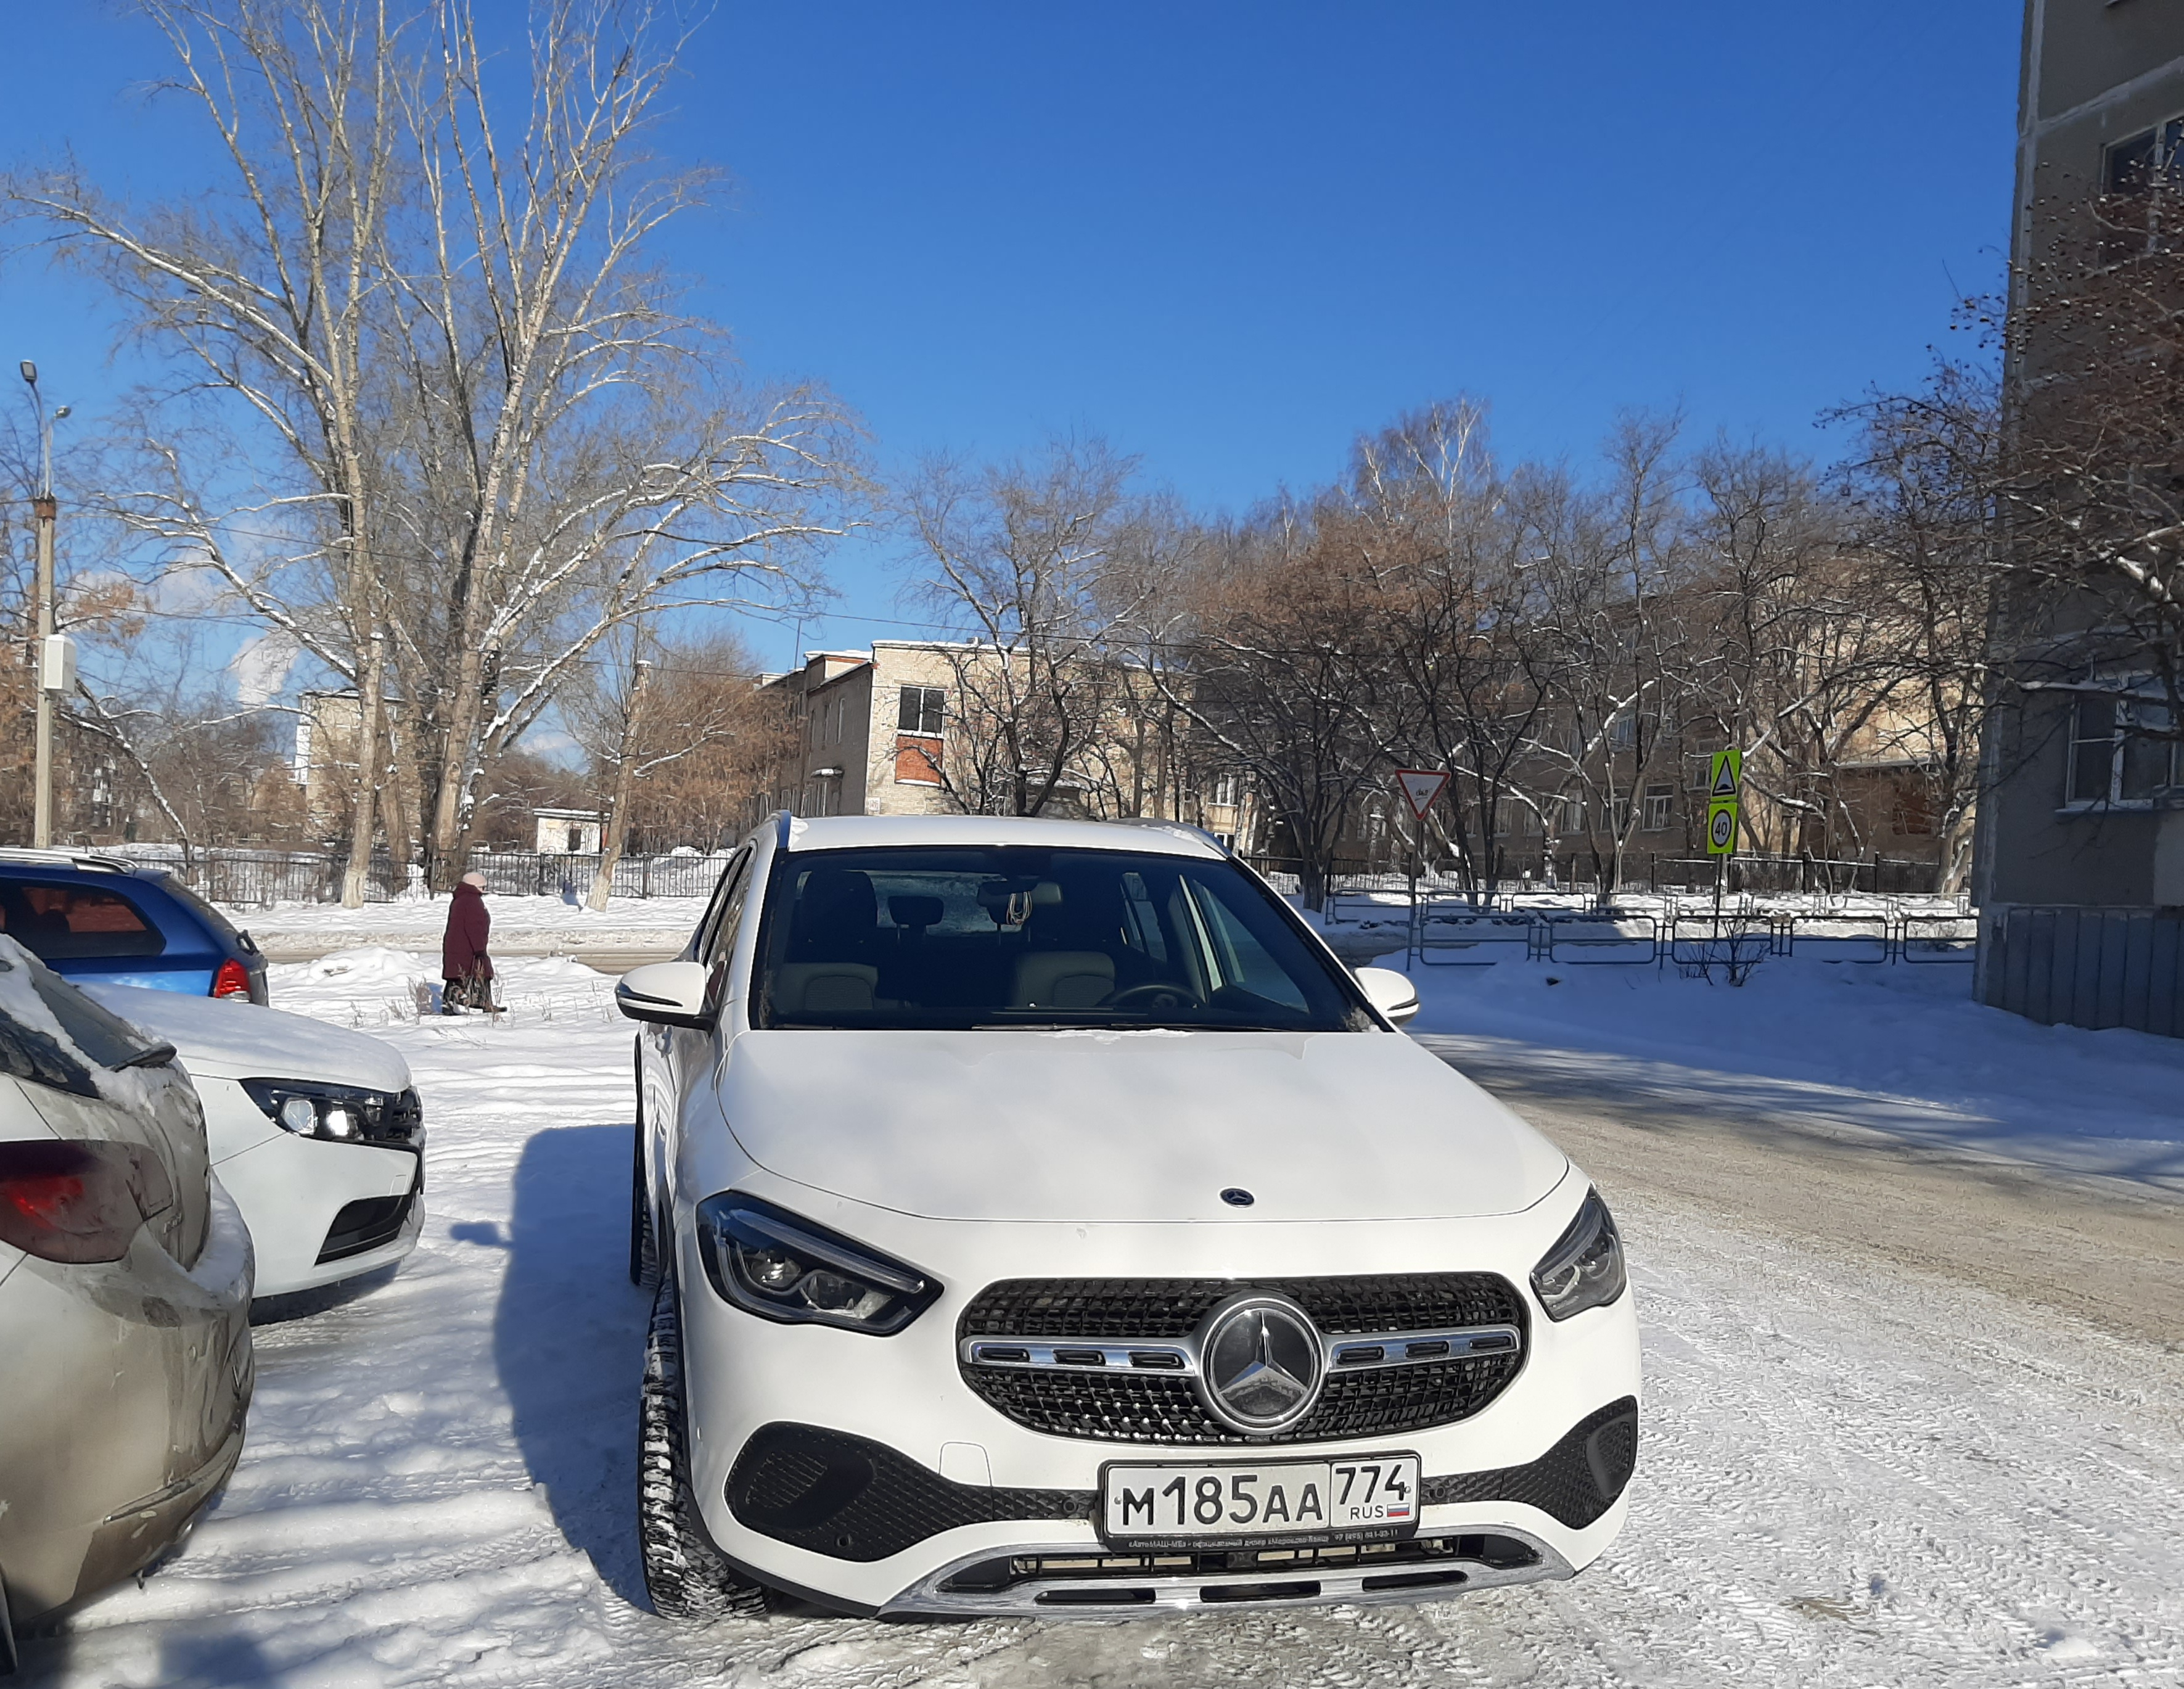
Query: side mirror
column 1389, row 991
column 666, row 994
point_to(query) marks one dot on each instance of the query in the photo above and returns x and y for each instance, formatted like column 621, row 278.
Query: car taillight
column 77, row 1203
column 233, row 979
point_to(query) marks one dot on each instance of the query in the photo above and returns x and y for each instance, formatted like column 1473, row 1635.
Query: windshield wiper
column 152, row 1056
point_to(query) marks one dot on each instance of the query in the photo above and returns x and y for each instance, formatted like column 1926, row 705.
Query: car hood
column 221, row 1039
column 1102, row 1126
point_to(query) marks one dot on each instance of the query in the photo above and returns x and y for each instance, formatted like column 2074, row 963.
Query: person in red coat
column 465, row 967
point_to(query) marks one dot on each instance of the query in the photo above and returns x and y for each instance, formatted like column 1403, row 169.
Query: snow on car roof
column 849, row 832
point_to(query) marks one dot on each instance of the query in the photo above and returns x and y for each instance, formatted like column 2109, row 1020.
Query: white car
column 315, row 1131
column 1047, row 1223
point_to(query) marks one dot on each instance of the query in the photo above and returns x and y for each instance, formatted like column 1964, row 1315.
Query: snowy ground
column 1852, row 1473
column 1899, row 1049
column 428, row 918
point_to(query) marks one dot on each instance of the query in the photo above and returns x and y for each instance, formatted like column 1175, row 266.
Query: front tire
column 684, row 1573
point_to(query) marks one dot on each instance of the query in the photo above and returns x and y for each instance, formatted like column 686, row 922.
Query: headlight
column 780, row 1266
column 342, row 1114
column 1584, row 1269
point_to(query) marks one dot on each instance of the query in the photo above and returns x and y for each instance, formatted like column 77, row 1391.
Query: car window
column 215, row 921
column 721, row 939
column 1021, row 936
column 710, row 926
column 65, row 921
column 88, row 1034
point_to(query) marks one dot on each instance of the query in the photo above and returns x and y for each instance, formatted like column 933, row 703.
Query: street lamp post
column 51, row 665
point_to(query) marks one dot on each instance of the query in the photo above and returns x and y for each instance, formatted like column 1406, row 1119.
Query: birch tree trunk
column 618, row 817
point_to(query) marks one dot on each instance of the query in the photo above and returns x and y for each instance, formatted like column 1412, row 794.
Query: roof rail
column 1168, row 826
column 781, row 818
column 79, row 859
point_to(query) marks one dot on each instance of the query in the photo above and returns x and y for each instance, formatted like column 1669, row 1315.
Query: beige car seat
column 1063, row 979
column 819, row 987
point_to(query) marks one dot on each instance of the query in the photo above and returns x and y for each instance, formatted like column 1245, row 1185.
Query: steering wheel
column 1157, row 992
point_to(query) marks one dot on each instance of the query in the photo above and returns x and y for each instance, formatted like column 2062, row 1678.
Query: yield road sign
column 1721, row 827
column 1726, row 777
column 1420, row 788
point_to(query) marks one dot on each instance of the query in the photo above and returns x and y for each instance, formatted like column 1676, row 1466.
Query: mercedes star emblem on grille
column 1263, row 1363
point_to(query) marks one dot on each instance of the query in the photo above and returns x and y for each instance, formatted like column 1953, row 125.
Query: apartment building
column 2080, row 864
column 873, row 730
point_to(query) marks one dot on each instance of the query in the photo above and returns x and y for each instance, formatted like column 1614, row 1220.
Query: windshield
column 1006, row 936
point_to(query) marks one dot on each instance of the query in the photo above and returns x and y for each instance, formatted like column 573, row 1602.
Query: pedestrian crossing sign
column 1726, row 777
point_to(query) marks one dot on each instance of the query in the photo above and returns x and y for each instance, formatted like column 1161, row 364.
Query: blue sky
column 1231, row 236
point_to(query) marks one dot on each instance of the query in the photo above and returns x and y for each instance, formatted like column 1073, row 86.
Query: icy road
column 1894, row 1435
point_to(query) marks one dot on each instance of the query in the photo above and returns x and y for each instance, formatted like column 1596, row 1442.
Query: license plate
column 1373, row 1498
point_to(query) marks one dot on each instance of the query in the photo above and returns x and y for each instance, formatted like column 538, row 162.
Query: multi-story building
column 873, row 731
column 2080, row 864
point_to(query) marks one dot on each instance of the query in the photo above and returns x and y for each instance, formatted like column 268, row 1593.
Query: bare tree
column 1920, row 485
column 1028, row 558
column 1284, row 663
column 475, row 423
column 1613, row 574
column 1463, row 626
column 690, row 754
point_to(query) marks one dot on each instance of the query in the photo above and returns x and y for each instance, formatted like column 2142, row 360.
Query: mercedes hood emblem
column 1261, row 1364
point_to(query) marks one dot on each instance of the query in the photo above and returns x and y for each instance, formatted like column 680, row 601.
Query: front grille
column 1137, row 1407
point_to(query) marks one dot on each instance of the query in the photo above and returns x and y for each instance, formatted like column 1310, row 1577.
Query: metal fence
column 1688, row 935
column 260, row 878
column 1644, row 874
column 2095, row 968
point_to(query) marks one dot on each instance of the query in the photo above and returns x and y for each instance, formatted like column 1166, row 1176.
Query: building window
column 2120, row 752
column 2157, row 156
column 1912, row 815
column 924, row 709
column 2136, row 176
column 1657, row 800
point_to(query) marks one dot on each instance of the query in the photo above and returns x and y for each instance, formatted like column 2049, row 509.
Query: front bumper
column 319, row 1213
column 866, row 1473
column 850, row 1500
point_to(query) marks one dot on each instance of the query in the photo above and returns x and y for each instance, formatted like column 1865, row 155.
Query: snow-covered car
column 125, row 1297
column 1045, row 1223
column 315, row 1131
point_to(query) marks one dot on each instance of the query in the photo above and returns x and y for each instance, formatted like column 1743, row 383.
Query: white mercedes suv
column 1045, row 1223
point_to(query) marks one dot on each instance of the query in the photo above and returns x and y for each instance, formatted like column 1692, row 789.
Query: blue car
column 104, row 918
